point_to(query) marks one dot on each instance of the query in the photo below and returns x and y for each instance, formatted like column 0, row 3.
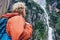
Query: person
column 17, row 28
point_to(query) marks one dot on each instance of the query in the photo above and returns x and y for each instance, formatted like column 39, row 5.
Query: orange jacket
column 17, row 28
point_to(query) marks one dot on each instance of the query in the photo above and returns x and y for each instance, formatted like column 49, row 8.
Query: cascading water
column 42, row 4
column 49, row 29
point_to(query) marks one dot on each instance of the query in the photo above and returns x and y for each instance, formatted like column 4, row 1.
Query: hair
column 17, row 5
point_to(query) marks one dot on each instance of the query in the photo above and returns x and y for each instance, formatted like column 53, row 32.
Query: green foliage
column 58, row 27
column 40, row 30
column 34, row 12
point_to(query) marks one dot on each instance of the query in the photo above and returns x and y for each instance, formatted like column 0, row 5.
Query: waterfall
column 50, row 30
column 42, row 4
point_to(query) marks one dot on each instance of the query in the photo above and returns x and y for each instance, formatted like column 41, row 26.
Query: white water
column 50, row 30
column 42, row 3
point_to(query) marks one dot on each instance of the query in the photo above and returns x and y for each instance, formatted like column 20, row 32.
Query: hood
column 9, row 15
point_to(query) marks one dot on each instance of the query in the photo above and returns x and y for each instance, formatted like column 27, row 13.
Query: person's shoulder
column 16, row 18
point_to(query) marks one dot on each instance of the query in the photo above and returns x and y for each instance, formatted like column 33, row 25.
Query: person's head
column 19, row 7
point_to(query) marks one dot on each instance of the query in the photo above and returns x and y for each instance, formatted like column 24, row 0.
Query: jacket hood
column 9, row 15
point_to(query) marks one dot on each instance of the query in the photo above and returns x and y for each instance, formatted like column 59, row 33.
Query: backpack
column 3, row 34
